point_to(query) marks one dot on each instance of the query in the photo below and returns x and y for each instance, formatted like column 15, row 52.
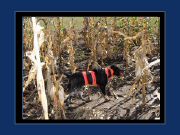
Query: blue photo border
column 7, row 100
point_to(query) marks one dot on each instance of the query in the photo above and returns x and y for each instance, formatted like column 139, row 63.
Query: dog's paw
column 106, row 98
column 99, row 94
column 116, row 97
column 89, row 99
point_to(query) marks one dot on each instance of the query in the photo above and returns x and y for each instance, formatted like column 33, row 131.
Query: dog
column 97, row 77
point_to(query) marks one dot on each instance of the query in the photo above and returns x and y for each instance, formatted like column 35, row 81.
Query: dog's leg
column 89, row 98
column 86, row 99
column 112, row 93
column 106, row 98
column 99, row 94
column 104, row 93
column 81, row 96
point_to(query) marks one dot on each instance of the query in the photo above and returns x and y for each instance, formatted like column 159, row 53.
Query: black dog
column 97, row 77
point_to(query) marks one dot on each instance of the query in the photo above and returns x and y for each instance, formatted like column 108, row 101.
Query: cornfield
column 54, row 46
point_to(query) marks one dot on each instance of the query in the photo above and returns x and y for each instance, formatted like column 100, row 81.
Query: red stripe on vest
column 107, row 72
column 85, row 78
column 93, row 78
column 112, row 72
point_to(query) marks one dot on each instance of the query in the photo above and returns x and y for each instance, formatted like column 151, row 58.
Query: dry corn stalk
column 128, row 42
column 86, row 30
column 102, row 41
column 114, row 24
column 73, row 39
column 55, row 90
column 35, row 57
column 71, row 58
column 68, row 42
column 93, row 42
column 93, row 39
column 143, row 73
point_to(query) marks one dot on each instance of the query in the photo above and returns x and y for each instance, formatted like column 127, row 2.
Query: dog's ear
column 115, row 69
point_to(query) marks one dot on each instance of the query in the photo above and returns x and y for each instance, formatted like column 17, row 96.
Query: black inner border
column 19, row 40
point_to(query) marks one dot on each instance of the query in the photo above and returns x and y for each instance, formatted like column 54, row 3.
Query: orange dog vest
column 107, row 72
column 85, row 77
column 94, row 83
column 93, row 78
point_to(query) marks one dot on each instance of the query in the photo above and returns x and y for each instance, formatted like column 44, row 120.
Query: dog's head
column 117, row 71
